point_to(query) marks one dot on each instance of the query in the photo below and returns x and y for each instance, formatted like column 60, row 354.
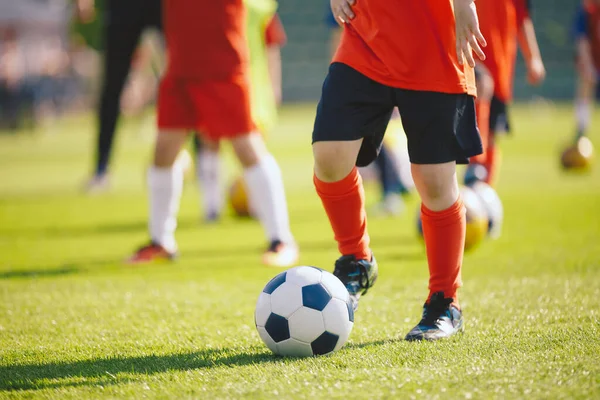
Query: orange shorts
column 218, row 109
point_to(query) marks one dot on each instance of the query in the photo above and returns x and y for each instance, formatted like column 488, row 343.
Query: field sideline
column 76, row 323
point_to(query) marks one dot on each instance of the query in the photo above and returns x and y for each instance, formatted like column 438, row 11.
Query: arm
column 274, row 61
column 536, row 72
column 275, row 39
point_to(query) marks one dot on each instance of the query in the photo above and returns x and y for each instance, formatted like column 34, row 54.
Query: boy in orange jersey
column 205, row 88
column 409, row 56
column 587, row 36
column 504, row 24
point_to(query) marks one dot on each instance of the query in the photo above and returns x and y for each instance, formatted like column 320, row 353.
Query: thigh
column 440, row 127
column 224, row 107
column 174, row 108
column 353, row 107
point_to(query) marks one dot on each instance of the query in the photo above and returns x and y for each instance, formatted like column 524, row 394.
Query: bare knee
column 335, row 160
column 168, row 146
column 436, row 184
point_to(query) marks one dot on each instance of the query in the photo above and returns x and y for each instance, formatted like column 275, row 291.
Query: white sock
column 583, row 114
column 209, row 179
column 164, row 189
column 267, row 196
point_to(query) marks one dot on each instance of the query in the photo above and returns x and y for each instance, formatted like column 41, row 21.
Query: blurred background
column 50, row 64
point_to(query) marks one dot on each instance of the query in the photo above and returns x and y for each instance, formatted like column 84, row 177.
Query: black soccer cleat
column 357, row 276
column 441, row 319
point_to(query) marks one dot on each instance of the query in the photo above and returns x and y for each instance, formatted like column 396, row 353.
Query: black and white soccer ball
column 304, row 311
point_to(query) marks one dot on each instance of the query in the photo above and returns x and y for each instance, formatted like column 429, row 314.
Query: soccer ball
column 477, row 218
column 493, row 206
column 238, row 199
column 578, row 157
column 304, row 311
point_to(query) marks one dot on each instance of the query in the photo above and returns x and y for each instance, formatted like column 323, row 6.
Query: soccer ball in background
column 304, row 311
column 578, row 157
column 493, row 207
column 477, row 218
column 238, row 198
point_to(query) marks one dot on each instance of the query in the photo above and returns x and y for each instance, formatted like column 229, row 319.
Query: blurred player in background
column 410, row 56
column 266, row 36
column 124, row 23
column 392, row 165
column 504, row 23
column 587, row 36
column 206, row 88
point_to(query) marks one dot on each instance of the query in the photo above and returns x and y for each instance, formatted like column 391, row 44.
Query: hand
column 468, row 35
column 536, row 72
column 85, row 11
column 342, row 10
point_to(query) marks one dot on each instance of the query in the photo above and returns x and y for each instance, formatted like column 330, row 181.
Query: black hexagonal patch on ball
column 277, row 327
column 315, row 297
column 274, row 283
column 324, row 344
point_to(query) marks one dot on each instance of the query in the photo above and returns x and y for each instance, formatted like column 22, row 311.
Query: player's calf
column 266, row 192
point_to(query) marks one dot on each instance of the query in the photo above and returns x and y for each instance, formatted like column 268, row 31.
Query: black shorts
column 440, row 127
column 499, row 117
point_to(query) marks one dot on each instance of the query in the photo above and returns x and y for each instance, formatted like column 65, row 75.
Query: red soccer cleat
column 151, row 253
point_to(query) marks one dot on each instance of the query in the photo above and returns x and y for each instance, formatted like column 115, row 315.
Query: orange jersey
column 407, row 45
column 205, row 39
column 500, row 21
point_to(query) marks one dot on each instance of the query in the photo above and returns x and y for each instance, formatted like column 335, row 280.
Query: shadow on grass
column 38, row 273
column 118, row 370
column 105, row 371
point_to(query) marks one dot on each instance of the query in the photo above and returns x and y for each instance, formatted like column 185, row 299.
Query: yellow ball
column 477, row 218
column 579, row 156
column 238, row 198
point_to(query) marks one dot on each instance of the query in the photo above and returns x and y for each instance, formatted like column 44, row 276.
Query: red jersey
column 500, row 21
column 409, row 44
column 205, row 39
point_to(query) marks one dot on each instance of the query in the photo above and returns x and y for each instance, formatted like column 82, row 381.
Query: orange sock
column 492, row 164
column 482, row 110
column 344, row 203
column 444, row 233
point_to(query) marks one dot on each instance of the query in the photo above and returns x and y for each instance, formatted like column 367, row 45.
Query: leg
column 267, row 194
column 227, row 119
column 350, row 105
column 165, row 176
column 209, row 177
column 339, row 186
column 121, row 41
column 391, row 202
column 435, row 148
column 479, row 167
column 584, row 99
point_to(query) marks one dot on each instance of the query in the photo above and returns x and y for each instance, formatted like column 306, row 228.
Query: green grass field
column 77, row 323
